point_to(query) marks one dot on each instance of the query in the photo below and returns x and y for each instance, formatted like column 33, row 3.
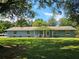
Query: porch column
column 43, row 33
column 34, row 33
column 46, row 33
column 49, row 33
column 52, row 33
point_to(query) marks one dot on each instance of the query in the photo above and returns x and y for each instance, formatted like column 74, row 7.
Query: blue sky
column 43, row 13
column 46, row 13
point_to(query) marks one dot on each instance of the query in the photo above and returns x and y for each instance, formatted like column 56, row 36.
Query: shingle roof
column 63, row 28
column 21, row 28
column 35, row 28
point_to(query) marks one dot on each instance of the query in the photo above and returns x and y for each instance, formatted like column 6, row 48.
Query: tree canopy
column 52, row 22
column 65, row 22
column 5, row 25
column 24, row 7
column 22, row 23
column 16, row 7
column 19, row 7
column 39, row 22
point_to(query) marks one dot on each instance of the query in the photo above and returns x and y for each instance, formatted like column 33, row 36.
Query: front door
column 40, row 33
column 50, row 33
column 45, row 33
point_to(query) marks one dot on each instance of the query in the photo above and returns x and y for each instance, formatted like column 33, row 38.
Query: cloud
column 48, row 14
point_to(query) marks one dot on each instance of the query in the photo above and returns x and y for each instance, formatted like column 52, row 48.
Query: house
column 48, row 31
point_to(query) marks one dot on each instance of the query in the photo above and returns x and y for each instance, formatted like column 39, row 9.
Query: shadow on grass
column 41, row 50
column 12, row 52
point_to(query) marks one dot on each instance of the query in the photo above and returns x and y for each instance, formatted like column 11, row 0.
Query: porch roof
column 41, row 28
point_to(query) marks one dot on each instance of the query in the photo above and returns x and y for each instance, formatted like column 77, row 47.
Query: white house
column 60, row 31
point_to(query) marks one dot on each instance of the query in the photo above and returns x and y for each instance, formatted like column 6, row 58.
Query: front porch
column 43, row 33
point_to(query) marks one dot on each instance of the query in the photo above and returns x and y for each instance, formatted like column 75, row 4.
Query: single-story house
column 48, row 31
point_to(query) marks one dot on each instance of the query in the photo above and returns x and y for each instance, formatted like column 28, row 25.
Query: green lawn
column 39, row 48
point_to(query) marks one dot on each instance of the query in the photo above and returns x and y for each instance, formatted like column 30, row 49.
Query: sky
column 46, row 13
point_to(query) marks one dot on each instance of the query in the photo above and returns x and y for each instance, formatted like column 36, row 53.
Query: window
column 68, row 33
column 28, row 32
column 14, row 32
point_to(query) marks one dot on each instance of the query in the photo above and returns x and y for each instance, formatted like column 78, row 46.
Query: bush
column 77, row 31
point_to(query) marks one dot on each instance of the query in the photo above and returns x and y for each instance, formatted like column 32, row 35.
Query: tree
column 77, row 31
column 16, row 7
column 73, row 10
column 65, row 22
column 39, row 22
column 24, row 7
column 22, row 23
column 52, row 22
column 2, row 28
column 8, row 24
column 5, row 25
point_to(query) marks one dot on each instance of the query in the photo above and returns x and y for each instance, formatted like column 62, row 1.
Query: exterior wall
column 64, row 33
column 20, row 34
column 51, row 33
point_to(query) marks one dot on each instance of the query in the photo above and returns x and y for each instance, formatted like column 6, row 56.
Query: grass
column 39, row 48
